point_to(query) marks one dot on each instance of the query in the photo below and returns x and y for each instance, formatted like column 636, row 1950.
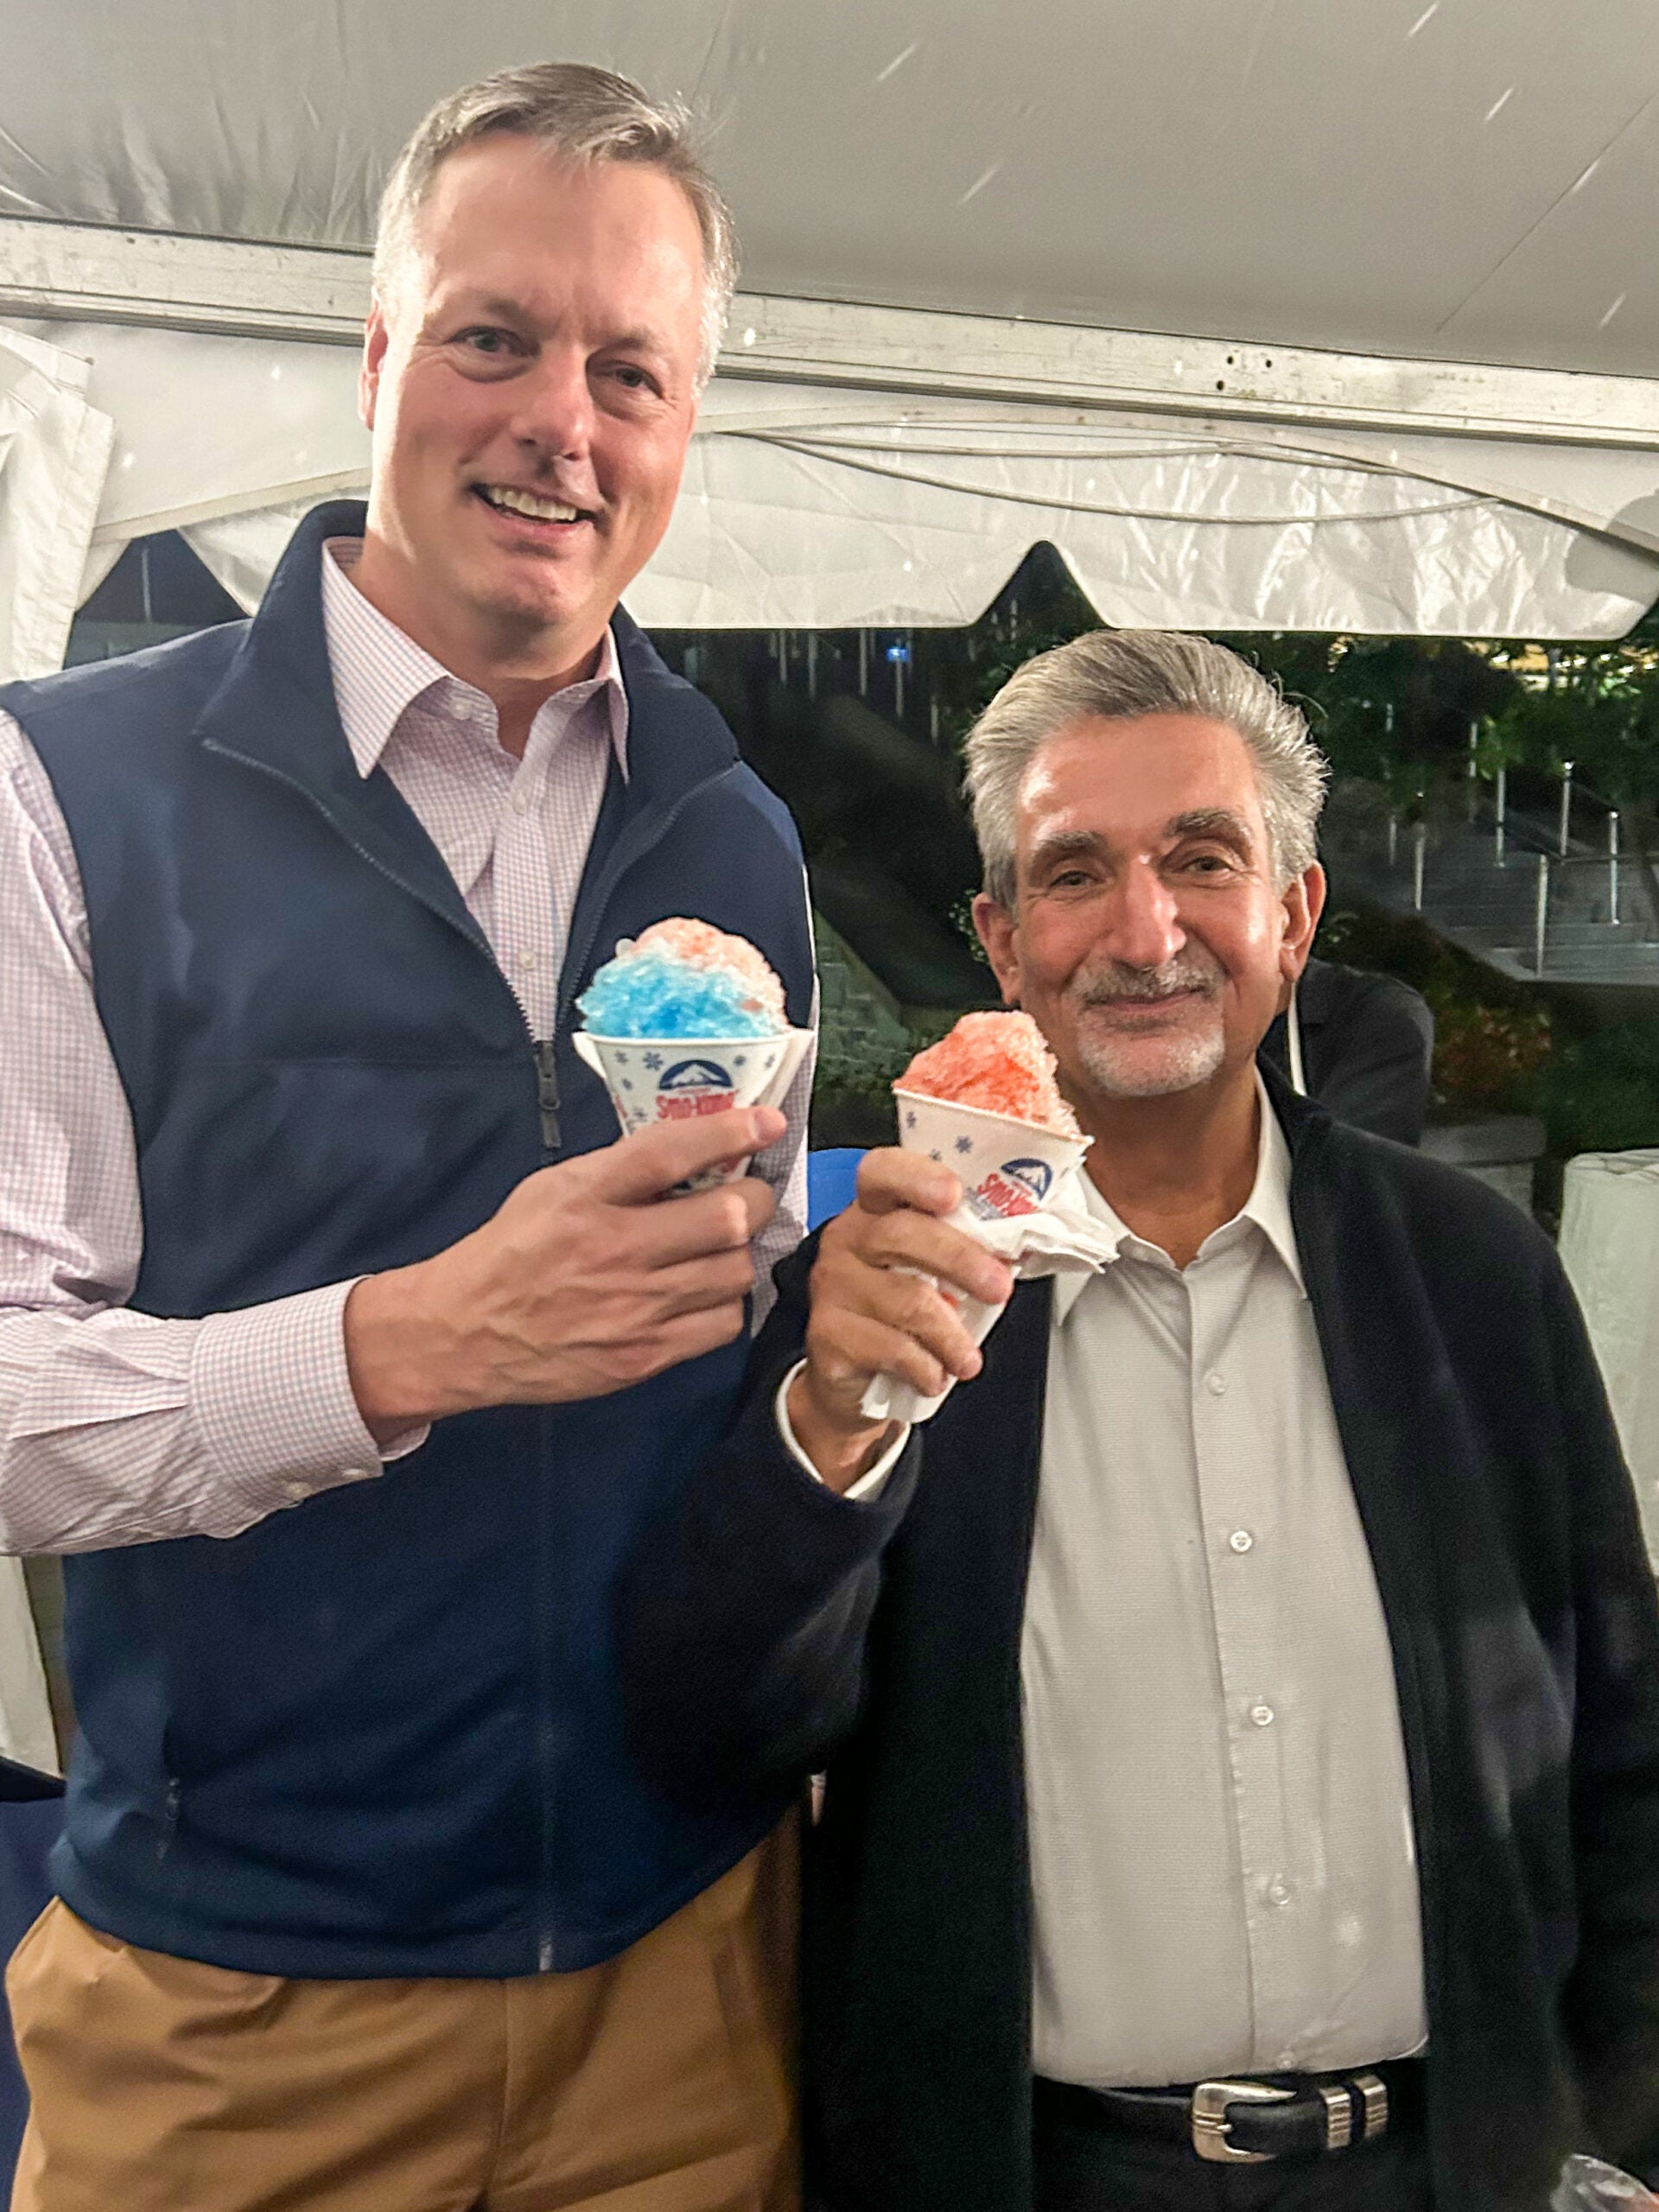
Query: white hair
column 582, row 114
column 1118, row 675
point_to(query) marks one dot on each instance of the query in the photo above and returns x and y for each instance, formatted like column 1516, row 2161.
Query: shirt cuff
column 872, row 1482
column 273, row 1401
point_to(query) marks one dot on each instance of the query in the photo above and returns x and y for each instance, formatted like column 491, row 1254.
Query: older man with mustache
column 1241, row 1702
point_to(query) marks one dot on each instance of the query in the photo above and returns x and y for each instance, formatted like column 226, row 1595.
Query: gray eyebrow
column 1199, row 822
column 1066, row 843
column 1213, row 822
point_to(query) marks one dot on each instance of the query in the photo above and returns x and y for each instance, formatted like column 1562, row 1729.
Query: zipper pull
column 547, row 1092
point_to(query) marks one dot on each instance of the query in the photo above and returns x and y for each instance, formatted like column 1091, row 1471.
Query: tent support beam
column 81, row 272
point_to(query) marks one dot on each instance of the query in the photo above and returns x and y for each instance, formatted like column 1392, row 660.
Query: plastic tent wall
column 1405, row 244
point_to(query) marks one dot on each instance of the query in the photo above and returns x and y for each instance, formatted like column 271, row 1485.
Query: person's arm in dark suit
column 742, row 1616
column 1370, row 1061
column 1368, row 1049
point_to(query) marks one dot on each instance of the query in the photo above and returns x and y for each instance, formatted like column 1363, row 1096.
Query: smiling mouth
column 1159, row 1005
column 528, row 506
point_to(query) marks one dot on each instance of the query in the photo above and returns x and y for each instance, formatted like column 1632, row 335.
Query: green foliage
column 852, row 1094
column 1601, row 1094
column 852, row 1060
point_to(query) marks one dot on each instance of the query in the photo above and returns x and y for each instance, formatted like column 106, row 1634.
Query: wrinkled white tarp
column 55, row 450
column 806, row 508
column 1609, row 1248
column 1470, row 179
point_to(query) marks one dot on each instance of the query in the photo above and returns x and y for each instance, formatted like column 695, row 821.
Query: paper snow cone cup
column 1007, row 1167
column 686, row 1079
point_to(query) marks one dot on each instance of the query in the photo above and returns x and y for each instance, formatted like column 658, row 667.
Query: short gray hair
column 582, row 114
column 1120, row 674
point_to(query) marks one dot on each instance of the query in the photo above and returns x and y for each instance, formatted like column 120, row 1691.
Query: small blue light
column 898, row 652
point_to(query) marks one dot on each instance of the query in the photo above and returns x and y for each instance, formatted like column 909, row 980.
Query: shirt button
column 527, row 960
column 1215, row 1384
column 1241, row 1540
column 1261, row 1715
column 355, row 1474
column 295, row 1493
column 520, row 803
column 1278, row 1892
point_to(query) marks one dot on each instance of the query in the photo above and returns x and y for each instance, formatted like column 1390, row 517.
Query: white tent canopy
column 1404, row 246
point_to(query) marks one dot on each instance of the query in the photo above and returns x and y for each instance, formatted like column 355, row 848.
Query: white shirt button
column 1261, row 1716
column 1241, row 1540
column 295, row 1493
column 1214, row 1384
column 1278, row 1890
column 527, row 961
column 520, row 803
column 356, row 1474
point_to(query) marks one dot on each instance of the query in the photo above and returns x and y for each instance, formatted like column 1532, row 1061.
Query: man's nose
column 1144, row 928
column 554, row 404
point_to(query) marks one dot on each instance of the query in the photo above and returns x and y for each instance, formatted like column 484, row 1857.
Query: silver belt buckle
column 1211, row 2127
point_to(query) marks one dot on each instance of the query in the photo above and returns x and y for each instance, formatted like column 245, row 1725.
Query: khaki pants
column 661, row 2081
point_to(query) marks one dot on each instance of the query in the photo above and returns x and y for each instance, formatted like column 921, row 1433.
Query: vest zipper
column 547, row 1090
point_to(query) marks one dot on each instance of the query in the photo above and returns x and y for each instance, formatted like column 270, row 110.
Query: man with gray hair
column 342, row 1347
column 1240, row 1702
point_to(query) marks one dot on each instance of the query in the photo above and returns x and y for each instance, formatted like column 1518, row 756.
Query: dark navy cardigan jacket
column 770, row 1627
column 380, row 1733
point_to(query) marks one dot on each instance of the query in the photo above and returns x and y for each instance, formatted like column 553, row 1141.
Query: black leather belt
column 1235, row 2122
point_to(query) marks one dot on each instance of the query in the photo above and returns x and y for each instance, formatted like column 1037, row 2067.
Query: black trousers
column 1081, row 2168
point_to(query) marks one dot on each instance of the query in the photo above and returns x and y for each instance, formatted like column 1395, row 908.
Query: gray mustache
column 1143, row 986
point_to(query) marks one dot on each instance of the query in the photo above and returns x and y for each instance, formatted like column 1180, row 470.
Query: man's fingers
column 724, row 1219
column 888, row 1178
column 912, row 1307
column 904, row 1238
column 694, row 1285
column 639, row 1168
column 693, row 1334
column 842, row 1358
column 898, row 1300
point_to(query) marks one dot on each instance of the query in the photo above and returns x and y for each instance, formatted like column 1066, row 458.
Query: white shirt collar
column 379, row 671
column 1268, row 1206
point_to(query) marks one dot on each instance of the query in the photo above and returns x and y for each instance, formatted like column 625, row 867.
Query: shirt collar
column 379, row 671
column 1268, row 1206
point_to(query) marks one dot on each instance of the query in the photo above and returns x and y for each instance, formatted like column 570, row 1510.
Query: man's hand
column 873, row 1314
column 581, row 1284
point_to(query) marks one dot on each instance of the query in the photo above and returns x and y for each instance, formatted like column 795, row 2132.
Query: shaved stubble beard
column 1150, row 1066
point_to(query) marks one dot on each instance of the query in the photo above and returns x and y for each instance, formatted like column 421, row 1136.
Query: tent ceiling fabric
column 1469, row 180
column 1449, row 181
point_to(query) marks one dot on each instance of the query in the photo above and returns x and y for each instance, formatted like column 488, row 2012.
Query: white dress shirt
column 1222, row 1873
column 117, row 1427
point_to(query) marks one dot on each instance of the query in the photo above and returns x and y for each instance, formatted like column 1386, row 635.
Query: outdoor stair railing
column 1508, row 881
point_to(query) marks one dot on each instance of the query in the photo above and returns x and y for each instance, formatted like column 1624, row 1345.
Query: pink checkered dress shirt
column 116, row 1428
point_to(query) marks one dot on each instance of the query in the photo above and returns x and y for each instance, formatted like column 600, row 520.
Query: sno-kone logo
column 692, row 1088
column 1017, row 1187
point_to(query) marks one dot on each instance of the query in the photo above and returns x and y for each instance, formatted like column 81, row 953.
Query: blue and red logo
column 1017, row 1187
column 692, row 1088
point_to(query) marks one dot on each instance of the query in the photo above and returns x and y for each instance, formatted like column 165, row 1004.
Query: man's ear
column 995, row 926
column 1304, row 902
column 376, row 338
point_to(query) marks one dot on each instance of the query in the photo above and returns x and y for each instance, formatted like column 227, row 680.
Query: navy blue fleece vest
column 378, row 1733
